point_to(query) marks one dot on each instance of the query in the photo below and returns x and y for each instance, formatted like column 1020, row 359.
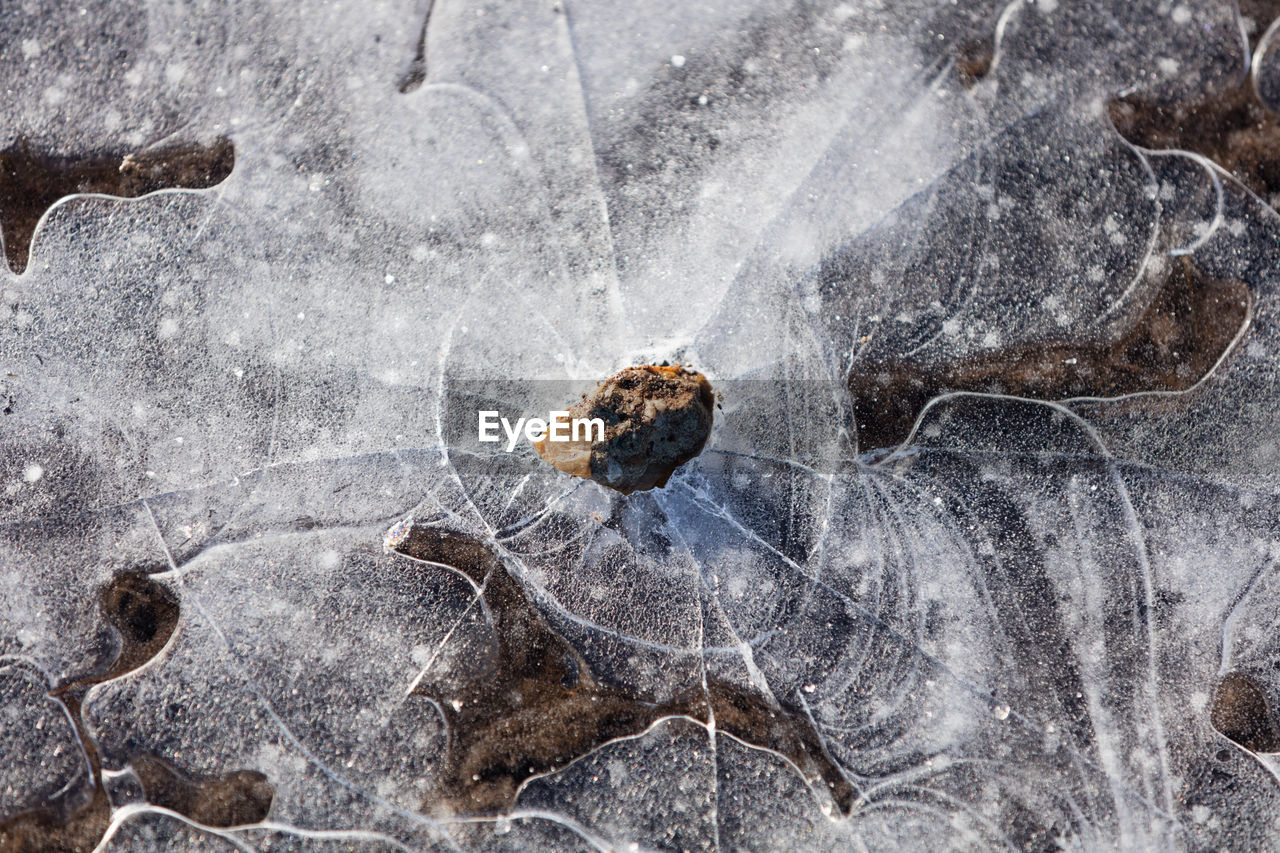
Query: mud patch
column 543, row 707
column 1178, row 339
column 32, row 181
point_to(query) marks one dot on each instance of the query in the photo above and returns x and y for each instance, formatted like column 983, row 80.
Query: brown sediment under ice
column 1241, row 712
column 656, row 418
column 1225, row 122
column 144, row 614
column 538, row 706
column 32, row 181
column 1190, row 324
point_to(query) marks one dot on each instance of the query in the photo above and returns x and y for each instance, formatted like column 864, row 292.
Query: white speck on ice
column 420, row 655
column 32, row 473
column 30, row 48
column 677, row 61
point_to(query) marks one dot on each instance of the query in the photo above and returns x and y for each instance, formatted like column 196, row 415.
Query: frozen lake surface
column 982, row 552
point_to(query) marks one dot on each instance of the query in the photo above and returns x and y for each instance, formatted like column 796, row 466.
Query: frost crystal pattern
column 984, row 549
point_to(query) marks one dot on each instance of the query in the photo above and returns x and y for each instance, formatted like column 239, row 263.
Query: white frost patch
column 32, row 473
column 677, row 61
column 421, row 655
column 276, row 763
column 618, row 771
column 30, row 48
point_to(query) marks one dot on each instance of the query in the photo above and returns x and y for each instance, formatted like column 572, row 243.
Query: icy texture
column 1006, row 632
column 43, row 755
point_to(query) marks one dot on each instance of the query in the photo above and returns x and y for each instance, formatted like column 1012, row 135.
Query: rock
column 656, row 418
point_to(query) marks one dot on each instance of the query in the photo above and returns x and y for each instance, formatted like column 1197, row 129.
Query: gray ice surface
column 1007, row 635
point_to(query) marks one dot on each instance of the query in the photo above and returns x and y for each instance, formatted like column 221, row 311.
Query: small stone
column 656, row 418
